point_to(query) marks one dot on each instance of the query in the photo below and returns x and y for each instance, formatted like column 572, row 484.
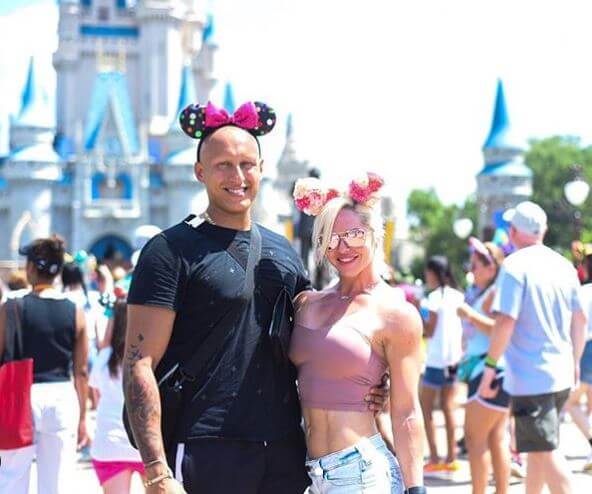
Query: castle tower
column 204, row 60
column 184, row 193
column 291, row 166
column 31, row 168
column 505, row 180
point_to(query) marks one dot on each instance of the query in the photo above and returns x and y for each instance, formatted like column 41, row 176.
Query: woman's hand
column 82, row 436
column 464, row 311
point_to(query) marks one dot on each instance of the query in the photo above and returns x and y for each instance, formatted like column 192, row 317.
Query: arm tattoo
column 143, row 403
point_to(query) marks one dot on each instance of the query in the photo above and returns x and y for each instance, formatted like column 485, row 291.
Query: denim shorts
column 586, row 364
column 437, row 378
column 367, row 467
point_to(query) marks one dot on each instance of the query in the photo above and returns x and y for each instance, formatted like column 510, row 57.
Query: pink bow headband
column 198, row 121
column 311, row 197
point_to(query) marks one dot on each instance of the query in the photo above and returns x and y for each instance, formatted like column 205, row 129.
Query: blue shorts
column 586, row 364
column 437, row 378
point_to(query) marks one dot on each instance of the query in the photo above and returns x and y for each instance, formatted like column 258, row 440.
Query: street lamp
column 462, row 227
column 576, row 192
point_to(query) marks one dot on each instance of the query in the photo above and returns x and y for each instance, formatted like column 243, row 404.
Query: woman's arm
column 402, row 350
column 482, row 322
column 429, row 326
column 80, row 358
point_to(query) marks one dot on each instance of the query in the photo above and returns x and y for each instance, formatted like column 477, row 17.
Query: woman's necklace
column 366, row 290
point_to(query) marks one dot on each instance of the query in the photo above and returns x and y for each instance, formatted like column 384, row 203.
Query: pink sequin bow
column 245, row 117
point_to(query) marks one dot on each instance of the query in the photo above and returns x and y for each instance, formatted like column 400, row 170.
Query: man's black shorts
column 537, row 420
column 227, row 466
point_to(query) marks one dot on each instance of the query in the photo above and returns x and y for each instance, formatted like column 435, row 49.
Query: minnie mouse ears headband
column 200, row 121
column 311, row 197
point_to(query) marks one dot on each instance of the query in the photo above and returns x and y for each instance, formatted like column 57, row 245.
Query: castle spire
column 34, row 111
column 500, row 135
column 229, row 101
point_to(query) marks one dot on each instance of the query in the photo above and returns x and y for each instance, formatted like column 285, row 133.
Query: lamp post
column 576, row 192
column 462, row 227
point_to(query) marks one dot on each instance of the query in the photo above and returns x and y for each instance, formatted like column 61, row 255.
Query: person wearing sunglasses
column 485, row 419
column 345, row 338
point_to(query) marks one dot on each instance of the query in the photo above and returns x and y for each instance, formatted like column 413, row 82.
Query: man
column 240, row 430
column 540, row 328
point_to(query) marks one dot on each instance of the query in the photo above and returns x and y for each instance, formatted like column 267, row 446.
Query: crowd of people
column 238, row 377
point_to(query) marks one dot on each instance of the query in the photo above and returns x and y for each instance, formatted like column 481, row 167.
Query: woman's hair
column 17, row 280
column 118, row 337
column 496, row 255
column 47, row 255
column 323, row 226
column 440, row 266
column 72, row 276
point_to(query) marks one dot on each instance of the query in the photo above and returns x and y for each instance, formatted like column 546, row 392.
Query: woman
column 444, row 349
column 573, row 406
column 485, row 420
column 344, row 339
column 75, row 290
column 54, row 336
column 114, row 458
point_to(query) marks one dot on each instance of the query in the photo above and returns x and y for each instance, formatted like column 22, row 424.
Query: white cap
column 528, row 218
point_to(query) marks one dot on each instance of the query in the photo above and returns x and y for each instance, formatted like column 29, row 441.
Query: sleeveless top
column 336, row 366
column 49, row 334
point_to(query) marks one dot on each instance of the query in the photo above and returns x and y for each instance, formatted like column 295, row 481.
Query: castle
column 115, row 159
column 505, row 180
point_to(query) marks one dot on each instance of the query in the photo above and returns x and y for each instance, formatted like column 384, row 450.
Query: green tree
column 551, row 161
column 431, row 227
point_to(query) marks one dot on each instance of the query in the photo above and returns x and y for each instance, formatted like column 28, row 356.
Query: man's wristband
column 418, row 489
column 489, row 362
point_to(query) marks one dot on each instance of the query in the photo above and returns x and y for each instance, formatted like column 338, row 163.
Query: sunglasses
column 356, row 237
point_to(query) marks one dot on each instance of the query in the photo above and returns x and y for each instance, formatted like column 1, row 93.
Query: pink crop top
column 336, row 367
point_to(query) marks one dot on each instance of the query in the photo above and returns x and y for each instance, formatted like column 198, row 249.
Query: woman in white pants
column 54, row 336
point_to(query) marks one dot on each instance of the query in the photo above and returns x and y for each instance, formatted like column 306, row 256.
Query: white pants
column 55, row 419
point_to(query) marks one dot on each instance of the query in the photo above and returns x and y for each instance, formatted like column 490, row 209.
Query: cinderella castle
column 114, row 158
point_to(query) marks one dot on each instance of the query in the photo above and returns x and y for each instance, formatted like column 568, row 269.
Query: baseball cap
column 527, row 217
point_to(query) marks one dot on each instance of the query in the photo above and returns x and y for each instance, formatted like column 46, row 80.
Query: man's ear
column 261, row 165
column 198, row 170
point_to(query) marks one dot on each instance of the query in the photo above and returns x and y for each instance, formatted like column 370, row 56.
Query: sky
column 403, row 88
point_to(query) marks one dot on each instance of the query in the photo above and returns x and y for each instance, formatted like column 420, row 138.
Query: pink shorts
column 106, row 470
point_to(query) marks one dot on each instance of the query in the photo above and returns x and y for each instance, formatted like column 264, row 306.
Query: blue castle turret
column 505, row 180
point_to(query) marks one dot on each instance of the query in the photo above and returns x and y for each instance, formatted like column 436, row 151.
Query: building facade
column 114, row 158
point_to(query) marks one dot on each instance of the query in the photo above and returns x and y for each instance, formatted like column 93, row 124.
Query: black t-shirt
column 243, row 393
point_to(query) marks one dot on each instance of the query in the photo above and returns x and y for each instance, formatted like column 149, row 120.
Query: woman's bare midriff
column 328, row 431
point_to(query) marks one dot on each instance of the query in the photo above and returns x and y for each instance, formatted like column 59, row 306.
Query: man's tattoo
column 142, row 403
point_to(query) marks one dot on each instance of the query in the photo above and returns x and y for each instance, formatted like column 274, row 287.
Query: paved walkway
column 573, row 446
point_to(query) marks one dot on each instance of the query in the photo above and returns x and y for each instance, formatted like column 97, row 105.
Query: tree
column 431, row 226
column 551, row 161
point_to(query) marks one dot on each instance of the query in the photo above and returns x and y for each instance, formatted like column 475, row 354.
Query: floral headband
column 311, row 197
column 200, row 121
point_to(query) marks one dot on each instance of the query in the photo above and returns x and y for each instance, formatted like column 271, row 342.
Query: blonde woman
column 345, row 338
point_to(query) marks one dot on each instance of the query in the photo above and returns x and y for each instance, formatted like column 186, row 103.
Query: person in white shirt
column 444, row 351
column 114, row 459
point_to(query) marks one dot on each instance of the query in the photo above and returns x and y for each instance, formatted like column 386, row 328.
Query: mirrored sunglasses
column 356, row 237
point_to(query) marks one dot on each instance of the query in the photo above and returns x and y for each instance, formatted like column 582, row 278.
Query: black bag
column 280, row 329
column 174, row 381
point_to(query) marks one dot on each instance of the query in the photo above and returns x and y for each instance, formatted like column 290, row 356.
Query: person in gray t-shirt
column 540, row 328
